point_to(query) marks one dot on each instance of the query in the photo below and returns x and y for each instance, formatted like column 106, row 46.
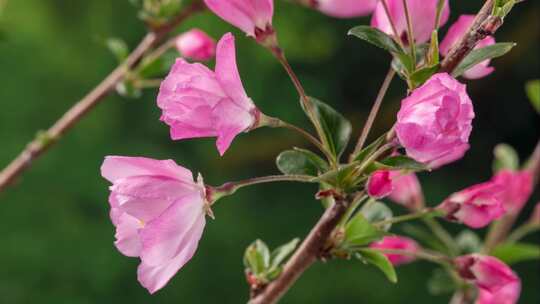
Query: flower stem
column 410, row 33
column 304, row 99
column 215, row 193
column 392, row 25
column 443, row 235
column 373, row 113
column 419, row 254
column 424, row 213
column 521, row 232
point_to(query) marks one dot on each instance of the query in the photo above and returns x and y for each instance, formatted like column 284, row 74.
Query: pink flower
column 198, row 102
column 406, row 190
column 517, row 188
column 435, row 121
column 196, row 44
column 379, row 184
column 254, row 17
column 453, row 35
column 159, row 214
column 344, row 8
column 475, row 206
column 487, row 273
column 508, row 294
column 397, row 243
column 422, row 12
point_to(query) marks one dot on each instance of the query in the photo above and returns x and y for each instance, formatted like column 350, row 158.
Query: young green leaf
column 422, row 75
column 533, row 91
column 257, row 257
column 282, row 252
column 376, row 37
column 402, row 162
column 517, row 252
column 359, row 232
column 337, row 129
column 505, row 158
column 379, row 260
column 377, row 212
column 370, row 149
column 118, row 47
column 478, row 55
column 468, row 242
column 300, row 161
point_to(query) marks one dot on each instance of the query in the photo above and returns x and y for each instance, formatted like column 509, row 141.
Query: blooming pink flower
column 397, row 243
column 486, row 272
column 517, row 188
column 435, row 121
column 198, row 102
column 406, row 190
column 422, row 13
column 251, row 16
column 454, row 33
column 344, row 8
column 159, row 214
column 196, row 44
column 508, row 294
column 475, row 206
column 379, row 184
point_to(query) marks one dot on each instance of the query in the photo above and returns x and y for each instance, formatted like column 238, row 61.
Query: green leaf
column 154, row 67
column 468, row 242
column 422, row 75
column 359, row 232
column 533, row 91
column 282, row 252
column 377, row 212
column 505, row 158
column 370, row 149
column 379, row 260
column 516, row 252
column 402, row 162
column 376, row 37
column 300, row 161
column 118, row 47
column 440, row 283
column 257, row 257
column 478, row 55
column 337, row 129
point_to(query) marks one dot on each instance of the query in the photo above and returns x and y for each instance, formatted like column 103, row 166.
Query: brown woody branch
column 305, row 256
column 47, row 138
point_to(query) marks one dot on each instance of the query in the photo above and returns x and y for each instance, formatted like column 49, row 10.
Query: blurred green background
column 56, row 240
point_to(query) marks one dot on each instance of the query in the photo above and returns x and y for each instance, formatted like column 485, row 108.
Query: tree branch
column 46, row 139
column 305, row 256
column 484, row 25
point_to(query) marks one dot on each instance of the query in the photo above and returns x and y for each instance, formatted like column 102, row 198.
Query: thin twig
column 410, row 31
column 374, row 111
column 47, row 138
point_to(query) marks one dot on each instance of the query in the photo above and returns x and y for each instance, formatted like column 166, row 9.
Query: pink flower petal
column 117, row 167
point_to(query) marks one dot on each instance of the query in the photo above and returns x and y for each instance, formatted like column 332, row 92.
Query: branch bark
column 47, row 138
column 483, row 25
column 305, row 256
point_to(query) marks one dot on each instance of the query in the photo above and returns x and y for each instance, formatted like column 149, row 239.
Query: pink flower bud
column 159, row 214
column 254, row 17
column 508, row 294
column 344, row 8
column 397, row 243
column 517, row 188
column 196, row 44
column 422, row 13
column 197, row 102
column 453, row 35
column 435, row 121
column 487, row 273
column 379, row 184
column 476, row 206
column 406, row 190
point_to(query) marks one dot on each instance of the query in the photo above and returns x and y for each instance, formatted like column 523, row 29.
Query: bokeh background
column 56, row 240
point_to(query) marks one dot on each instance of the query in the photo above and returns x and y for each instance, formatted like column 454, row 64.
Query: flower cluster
column 159, row 210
